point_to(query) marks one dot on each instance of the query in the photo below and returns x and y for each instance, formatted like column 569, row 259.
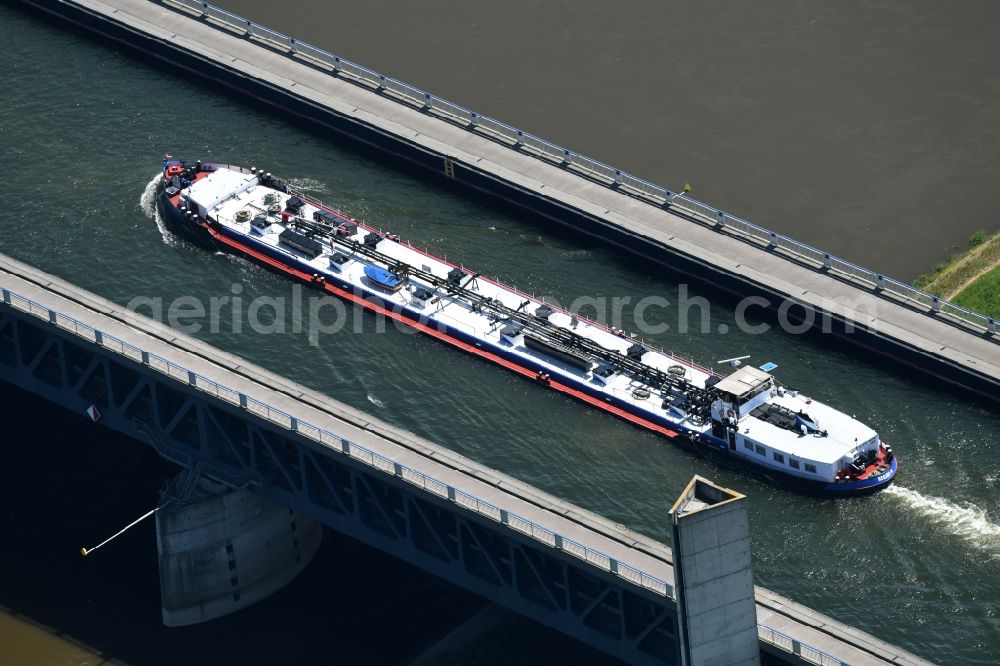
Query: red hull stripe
column 441, row 335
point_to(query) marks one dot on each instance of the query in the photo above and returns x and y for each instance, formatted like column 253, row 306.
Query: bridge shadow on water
column 66, row 483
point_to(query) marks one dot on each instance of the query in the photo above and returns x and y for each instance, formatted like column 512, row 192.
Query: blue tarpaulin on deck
column 382, row 277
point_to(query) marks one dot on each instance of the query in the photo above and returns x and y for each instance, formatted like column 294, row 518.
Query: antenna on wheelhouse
column 735, row 362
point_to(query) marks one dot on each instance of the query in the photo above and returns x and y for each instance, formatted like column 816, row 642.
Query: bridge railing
column 596, row 170
column 386, row 465
column 377, row 461
column 798, row 648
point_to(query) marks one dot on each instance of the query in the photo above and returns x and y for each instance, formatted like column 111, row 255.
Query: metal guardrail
column 337, row 443
column 386, row 465
column 790, row 645
column 594, row 169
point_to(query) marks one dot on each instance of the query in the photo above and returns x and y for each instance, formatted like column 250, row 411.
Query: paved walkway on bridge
column 805, row 625
column 933, row 336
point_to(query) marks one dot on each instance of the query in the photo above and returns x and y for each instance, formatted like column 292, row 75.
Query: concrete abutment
column 223, row 549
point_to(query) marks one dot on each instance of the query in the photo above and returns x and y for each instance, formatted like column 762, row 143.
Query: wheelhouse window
column 810, row 468
column 794, row 463
column 779, row 457
column 761, row 450
column 748, row 445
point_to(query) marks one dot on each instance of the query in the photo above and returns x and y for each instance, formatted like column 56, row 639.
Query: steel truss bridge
column 217, row 415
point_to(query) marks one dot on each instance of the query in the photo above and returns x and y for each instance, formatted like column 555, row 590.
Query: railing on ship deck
column 586, row 166
column 690, row 362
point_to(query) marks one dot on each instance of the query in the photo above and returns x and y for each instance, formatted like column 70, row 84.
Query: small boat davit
column 745, row 419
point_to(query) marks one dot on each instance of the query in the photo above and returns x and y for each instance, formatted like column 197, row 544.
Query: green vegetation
column 962, row 273
column 979, row 238
column 982, row 294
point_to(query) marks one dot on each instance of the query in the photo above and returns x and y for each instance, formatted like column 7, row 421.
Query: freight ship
column 744, row 419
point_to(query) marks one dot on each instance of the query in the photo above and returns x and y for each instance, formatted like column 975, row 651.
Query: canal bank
column 809, row 287
column 970, row 278
column 35, row 644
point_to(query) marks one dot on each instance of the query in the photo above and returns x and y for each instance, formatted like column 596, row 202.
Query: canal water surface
column 83, row 128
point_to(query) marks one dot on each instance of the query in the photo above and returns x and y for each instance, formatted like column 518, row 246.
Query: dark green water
column 83, row 128
column 870, row 129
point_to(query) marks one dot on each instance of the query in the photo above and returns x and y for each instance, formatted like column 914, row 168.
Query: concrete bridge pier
column 223, row 549
column 713, row 577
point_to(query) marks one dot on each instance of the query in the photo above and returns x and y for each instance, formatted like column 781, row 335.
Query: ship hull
column 220, row 238
column 184, row 226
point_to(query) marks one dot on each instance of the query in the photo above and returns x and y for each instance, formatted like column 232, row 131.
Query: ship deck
column 761, row 443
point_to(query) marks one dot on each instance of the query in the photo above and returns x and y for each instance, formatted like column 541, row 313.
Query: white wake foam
column 306, row 184
column 147, row 202
column 375, row 401
column 965, row 520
